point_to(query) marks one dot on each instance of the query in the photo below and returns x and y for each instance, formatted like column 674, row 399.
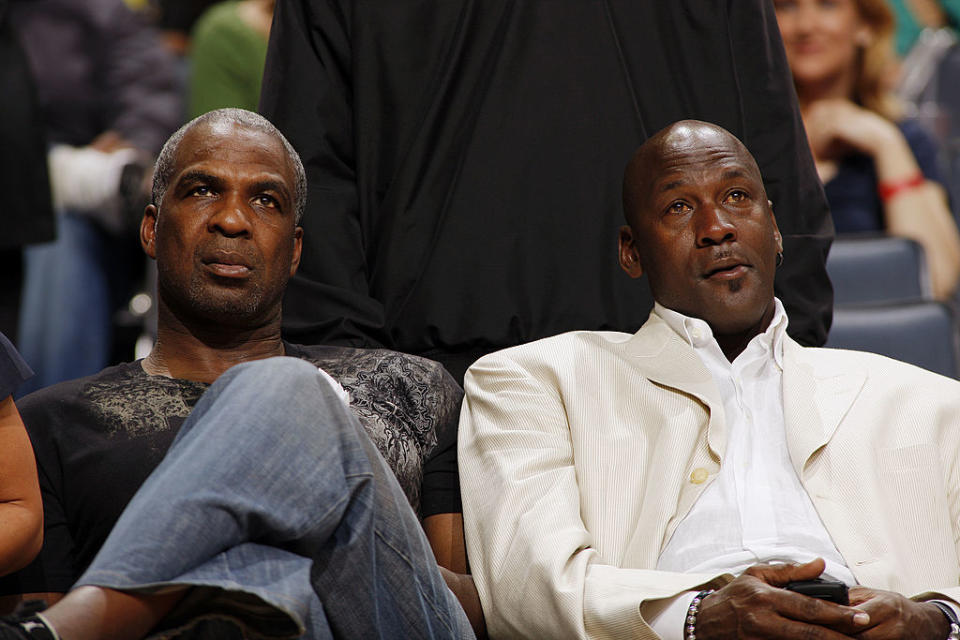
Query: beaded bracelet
column 951, row 617
column 889, row 188
column 691, row 626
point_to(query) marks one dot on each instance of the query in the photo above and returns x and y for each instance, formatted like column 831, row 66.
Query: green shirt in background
column 226, row 61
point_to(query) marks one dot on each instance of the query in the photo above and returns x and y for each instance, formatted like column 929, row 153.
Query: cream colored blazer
column 580, row 454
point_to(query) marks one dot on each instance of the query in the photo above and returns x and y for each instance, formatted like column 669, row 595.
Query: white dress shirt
column 755, row 510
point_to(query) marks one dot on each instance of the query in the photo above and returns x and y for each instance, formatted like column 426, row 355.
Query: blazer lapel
column 662, row 357
column 816, row 397
column 666, row 359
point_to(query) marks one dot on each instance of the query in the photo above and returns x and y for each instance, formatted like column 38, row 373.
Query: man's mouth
column 726, row 269
column 228, row 270
column 227, row 264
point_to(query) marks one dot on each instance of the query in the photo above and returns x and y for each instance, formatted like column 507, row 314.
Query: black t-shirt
column 97, row 439
column 13, row 370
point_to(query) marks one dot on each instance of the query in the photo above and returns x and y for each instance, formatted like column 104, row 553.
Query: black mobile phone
column 822, row 589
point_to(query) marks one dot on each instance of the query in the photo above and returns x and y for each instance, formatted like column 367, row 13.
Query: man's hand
column 756, row 606
column 109, row 141
column 896, row 617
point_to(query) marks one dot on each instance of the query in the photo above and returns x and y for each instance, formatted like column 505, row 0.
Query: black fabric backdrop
column 465, row 160
column 26, row 215
column 27, row 212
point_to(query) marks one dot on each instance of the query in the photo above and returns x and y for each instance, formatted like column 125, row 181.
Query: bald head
column 659, row 154
column 701, row 229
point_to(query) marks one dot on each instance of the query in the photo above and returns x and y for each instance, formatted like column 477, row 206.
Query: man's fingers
column 894, row 616
column 859, row 595
column 750, row 608
column 847, row 620
column 779, row 575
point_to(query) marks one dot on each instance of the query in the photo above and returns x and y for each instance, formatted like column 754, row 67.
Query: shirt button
column 699, row 476
column 697, row 334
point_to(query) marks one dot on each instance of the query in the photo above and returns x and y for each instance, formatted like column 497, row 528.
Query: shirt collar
column 697, row 332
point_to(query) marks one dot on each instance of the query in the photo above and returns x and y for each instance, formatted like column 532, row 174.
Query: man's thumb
column 779, row 575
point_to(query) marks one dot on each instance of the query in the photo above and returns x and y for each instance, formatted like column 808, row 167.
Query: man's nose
column 232, row 218
column 714, row 226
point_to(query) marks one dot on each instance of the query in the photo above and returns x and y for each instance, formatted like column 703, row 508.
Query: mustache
column 722, row 253
column 722, row 259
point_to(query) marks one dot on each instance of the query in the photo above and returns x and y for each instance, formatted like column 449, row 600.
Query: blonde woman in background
column 879, row 171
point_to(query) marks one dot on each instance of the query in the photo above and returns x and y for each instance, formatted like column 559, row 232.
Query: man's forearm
column 463, row 587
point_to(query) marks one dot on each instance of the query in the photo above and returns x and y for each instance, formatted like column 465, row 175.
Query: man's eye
column 267, row 201
column 737, row 196
column 678, row 207
column 200, row 191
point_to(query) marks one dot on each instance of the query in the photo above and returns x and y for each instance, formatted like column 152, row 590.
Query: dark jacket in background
column 26, row 216
column 465, row 160
column 98, row 67
column 180, row 15
column 27, row 212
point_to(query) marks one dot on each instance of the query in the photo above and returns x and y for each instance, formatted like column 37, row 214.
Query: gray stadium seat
column 921, row 333
column 872, row 269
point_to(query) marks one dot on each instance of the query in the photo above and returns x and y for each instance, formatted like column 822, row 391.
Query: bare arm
column 920, row 213
column 90, row 613
column 445, row 533
column 8, row 604
column 21, row 511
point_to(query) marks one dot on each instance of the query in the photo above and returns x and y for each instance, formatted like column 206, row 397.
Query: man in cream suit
column 610, row 481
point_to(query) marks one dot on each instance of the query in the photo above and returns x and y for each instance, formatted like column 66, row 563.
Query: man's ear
column 776, row 229
column 297, row 249
column 148, row 231
column 629, row 258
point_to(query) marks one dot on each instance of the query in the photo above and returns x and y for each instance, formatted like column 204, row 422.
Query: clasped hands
column 755, row 605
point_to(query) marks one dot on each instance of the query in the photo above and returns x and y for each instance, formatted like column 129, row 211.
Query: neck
column 201, row 352
column 733, row 344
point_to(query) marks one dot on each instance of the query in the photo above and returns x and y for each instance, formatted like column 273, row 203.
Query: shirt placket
column 755, row 496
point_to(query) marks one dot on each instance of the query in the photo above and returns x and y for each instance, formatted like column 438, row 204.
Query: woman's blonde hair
column 877, row 61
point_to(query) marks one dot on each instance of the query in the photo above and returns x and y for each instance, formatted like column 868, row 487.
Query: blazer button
column 699, row 476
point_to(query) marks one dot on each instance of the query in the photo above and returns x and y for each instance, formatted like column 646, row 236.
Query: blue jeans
column 71, row 288
column 273, row 499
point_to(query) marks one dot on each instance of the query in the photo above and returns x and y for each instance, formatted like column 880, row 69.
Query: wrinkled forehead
column 235, row 144
column 705, row 171
column 702, row 161
column 217, row 138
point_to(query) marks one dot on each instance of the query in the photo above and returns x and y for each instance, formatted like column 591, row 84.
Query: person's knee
column 253, row 402
column 278, row 372
column 288, row 381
